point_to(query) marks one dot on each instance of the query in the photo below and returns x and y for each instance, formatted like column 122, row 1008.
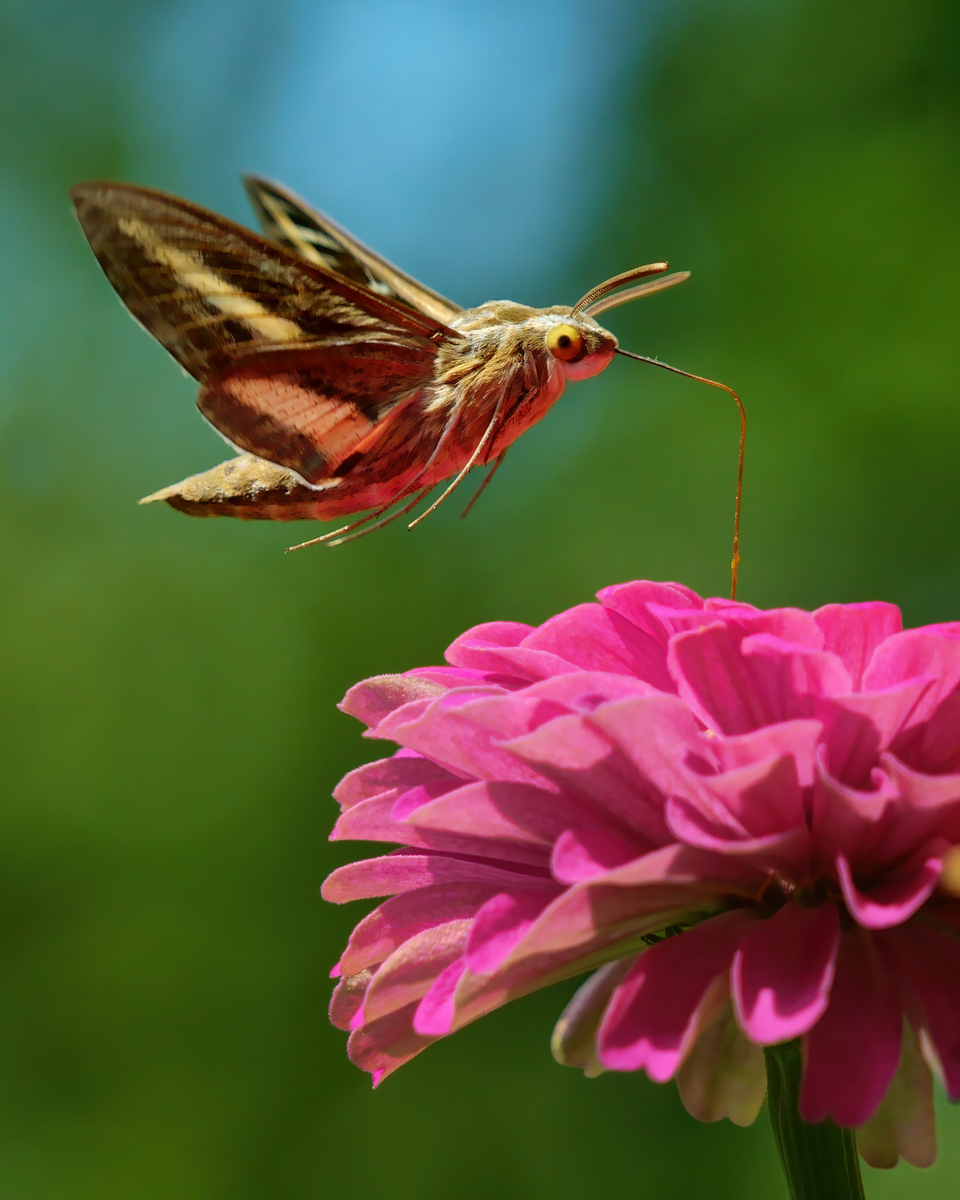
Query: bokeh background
column 167, row 705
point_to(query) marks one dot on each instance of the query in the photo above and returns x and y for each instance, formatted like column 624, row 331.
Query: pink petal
column 498, row 647
column 782, row 973
column 500, row 924
column 404, row 770
column 656, row 735
column 371, row 700
column 584, row 691
column 849, row 820
column 517, row 661
column 461, row 677
column 859, row 727
column 578, row 756
column 373, row 821
column 598, row 920
column 790, row 626
column 457, row 735
column 933, row 651
column 673, row 991
column 929, row 964
column 616, row 905
column 586, row 853
column 929, row 804
column 574, row 1040
column 704, row 820
column 420, row 794
column 786, row 854
column 595, row 638
column 854, row 631
column 724, row 1075
column 410, row 971
column 397, row 920
column 904, row 1124
column 507, row 715
column 434, row 1014
column 934, row 746
column 762, row 798
column 613, row 907
column 853, row 1050
column 737, row 685
column 795, row 673
column 797, row 738
column 898, row 898
column 633, row 600
column 386, row 1044
column 492, row 635
column 505, row 811
column 393, row 873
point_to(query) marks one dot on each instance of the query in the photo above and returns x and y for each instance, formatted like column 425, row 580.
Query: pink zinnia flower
column 742, row 821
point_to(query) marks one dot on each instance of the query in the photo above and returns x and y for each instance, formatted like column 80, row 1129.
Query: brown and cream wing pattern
column 288, row 221
column 211, row 291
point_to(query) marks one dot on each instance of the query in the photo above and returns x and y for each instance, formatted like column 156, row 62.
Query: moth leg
column 401, row 512
column 328, row 538
column 483, row 486
column 324, row 538
column 333, row 538
column 466, row 468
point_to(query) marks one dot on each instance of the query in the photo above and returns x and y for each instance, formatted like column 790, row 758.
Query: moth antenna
column 467, row 467
column 610, row 285
column 634, row 293
column 483, row 486
column 735, row 561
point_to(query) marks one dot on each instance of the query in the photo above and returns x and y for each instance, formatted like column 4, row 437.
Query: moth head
column 580, row 346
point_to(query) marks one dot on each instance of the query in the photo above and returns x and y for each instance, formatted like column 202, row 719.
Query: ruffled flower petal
column 500, row 925
column 399, row 872
column 724, row 1075
column 929, row 962
column 783, row 971
column 402, row 917
column 854, row 631
column 409, row 972
column 574, row 1041
column 904, row 1125
column 744, row 822
column 596, row 638
column 382, row 1046
column 672, row 992
column 374, row 699
column 736, row 684
column 394, row 775
column 899, row 896
column 852, row 1052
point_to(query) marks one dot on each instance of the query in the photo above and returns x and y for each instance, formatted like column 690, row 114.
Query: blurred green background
column 168, row 686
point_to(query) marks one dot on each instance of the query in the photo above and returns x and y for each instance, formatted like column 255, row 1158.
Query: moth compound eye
column 566, row 343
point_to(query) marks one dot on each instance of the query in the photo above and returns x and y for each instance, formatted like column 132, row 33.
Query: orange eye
column 566, row 343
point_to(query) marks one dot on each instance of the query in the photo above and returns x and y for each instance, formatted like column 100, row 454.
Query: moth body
column 345, row 384
column 500, row 357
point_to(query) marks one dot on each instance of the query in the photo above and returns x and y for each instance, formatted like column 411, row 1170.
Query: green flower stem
column 820, row 1162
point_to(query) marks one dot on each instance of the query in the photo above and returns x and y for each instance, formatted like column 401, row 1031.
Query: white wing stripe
column 190, row 273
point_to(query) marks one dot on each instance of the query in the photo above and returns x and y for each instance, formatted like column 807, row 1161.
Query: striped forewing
column 212, row 292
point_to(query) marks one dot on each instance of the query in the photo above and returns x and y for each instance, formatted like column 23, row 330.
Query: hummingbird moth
column 347, row 386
